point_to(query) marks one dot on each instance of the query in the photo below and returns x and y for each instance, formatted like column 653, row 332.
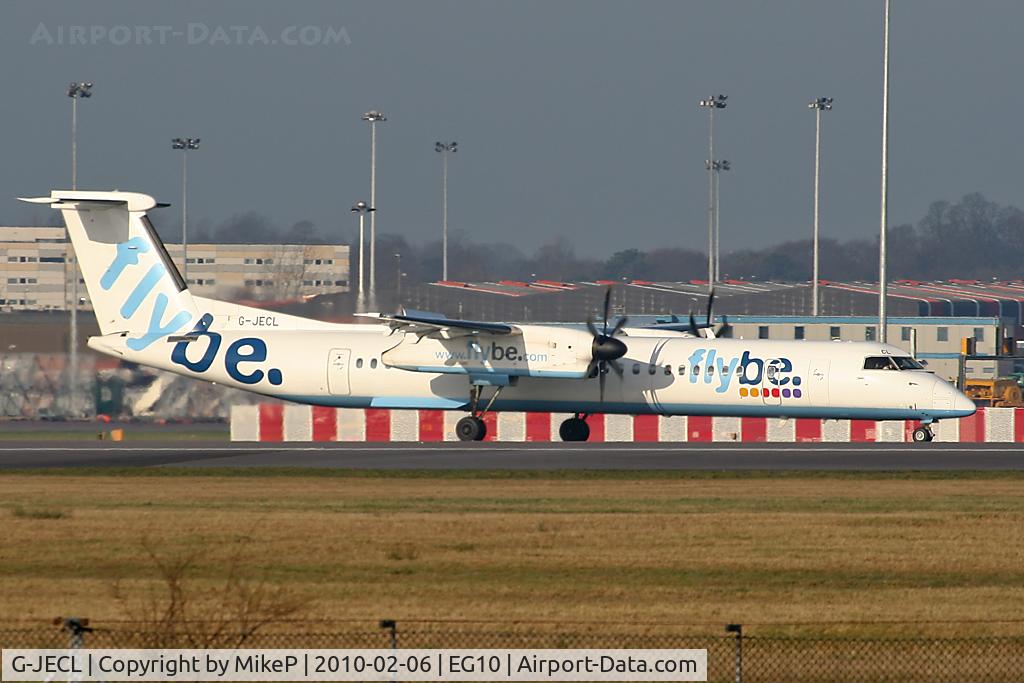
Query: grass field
column 676, row 547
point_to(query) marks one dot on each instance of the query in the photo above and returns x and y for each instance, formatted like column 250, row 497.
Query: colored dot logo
column 754, row 392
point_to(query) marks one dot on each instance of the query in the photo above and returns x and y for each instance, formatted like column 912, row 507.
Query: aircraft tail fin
column 132, row 282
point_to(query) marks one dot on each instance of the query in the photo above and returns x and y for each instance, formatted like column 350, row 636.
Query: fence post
column 738, row 630
column 393, row 628
column 76, row 627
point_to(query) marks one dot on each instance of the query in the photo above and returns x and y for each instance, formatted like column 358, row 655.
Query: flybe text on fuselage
column 746, row 369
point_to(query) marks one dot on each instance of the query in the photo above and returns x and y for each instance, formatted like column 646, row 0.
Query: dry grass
column 669, row 549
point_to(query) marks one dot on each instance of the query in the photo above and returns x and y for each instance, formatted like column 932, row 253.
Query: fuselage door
column 337, row 372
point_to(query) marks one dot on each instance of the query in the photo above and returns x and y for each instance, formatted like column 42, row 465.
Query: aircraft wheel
column 471, row 428
column 922, row 435
column 574, row 429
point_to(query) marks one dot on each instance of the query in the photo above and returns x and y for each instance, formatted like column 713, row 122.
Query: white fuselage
column 544, row 369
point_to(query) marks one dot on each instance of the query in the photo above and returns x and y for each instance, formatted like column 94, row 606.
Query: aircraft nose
column 962, row 404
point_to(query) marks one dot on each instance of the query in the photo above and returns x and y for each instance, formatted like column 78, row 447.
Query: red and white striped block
column 279, row 422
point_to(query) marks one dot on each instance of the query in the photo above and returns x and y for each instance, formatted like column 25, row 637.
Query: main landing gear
column 472, row 427
column 923, row 434
column 575, row 428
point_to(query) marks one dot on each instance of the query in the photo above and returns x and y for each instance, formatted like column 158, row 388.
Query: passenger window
column 682, row 370
column 359, row 362
column 636, row 368
column 696, row 370
column 668, row 369
column 877, row 363
column 373, row 363
column 711, row 370
column 653, row 368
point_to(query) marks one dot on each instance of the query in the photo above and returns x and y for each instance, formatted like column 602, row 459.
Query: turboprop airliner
column 416, row 360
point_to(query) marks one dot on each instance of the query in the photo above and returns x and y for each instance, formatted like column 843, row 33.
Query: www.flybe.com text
column 493, row 353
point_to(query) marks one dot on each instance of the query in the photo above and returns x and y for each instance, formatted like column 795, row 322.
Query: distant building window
column 762, row 332
column 250, row 283
column 248, row 261
column 12, row 259
column 340, row 283
column 330, row 262
column 798, row 332
column 318, row 262
column 307, row 283
column 51, row 259
column 268, row 261
column 905, row 334
column 835, row 332
column 307, row 262
column 190, row 260
column 942, row 334
column 869, row 333
column 979, row 334
column 12, row 280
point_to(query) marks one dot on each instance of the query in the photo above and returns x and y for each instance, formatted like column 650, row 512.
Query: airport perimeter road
column 540, row 456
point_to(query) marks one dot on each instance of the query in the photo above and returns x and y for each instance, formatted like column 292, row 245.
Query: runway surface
column 540, row 456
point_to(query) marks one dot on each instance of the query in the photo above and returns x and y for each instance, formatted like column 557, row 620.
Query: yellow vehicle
column 995, row 393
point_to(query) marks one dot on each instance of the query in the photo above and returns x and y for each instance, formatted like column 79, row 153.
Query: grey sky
column 573, row 118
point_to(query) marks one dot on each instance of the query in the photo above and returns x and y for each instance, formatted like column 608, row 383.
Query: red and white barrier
column 279, row 422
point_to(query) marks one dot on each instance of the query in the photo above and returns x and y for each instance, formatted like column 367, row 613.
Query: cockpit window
column 907, row 363
column 891, row 363
column 878, row 363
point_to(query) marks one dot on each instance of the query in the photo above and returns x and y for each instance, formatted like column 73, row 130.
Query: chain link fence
column 36, row 386
column 733, row 654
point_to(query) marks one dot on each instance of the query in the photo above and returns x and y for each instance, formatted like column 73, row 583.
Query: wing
column 427, row 324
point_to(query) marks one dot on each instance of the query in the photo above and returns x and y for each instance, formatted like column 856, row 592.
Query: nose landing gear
column 923, row 434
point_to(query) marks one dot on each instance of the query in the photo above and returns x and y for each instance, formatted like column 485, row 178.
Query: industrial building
column 37, row 272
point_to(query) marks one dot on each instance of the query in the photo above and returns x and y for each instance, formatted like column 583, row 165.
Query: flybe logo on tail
column 128, row 255
column 245, row 350
column 747, row 371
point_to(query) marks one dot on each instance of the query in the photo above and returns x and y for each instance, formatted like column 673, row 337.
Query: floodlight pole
column 883, row 230
column 373, row 118
column 444, row 148
column 75, row 91
column 362, row 209
column 819, row 105
column 711, row 104
column 185, row 145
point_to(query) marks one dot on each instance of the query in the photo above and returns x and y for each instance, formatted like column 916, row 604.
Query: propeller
column 724, row 327
column 606, row 350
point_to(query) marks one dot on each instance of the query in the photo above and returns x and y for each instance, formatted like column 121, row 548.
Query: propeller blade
column 593, row 369
column 693, row 326
column 725, row 329
column 711, row 300
column 619, row 324
column 600, row 379
column 607, row 305
column 591, row 328
column 617, row 366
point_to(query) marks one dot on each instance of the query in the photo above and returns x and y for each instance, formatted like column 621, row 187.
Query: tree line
column 973, row 238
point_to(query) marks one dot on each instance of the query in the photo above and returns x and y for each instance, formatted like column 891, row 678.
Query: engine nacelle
column 535, row 351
